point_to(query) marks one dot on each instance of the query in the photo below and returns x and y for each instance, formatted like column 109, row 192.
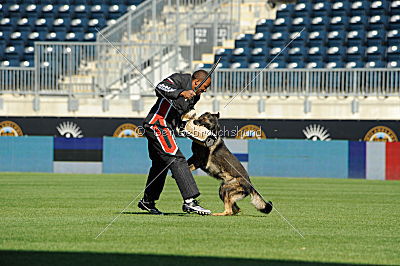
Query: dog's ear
column 217, row 115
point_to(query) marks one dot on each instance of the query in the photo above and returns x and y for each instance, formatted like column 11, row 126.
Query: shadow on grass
column 11, row 258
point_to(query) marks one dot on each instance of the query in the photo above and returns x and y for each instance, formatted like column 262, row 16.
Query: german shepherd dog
column 219, row 162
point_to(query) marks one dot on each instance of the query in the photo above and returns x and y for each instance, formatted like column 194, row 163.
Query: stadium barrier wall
column 26, row 154
column 263, row 157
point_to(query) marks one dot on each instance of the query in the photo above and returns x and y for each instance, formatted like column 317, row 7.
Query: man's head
column 197, row 77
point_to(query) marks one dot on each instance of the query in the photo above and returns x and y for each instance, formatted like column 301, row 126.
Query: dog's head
column 209, row 121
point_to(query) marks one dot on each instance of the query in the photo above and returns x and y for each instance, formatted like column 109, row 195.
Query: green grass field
column 53, row 219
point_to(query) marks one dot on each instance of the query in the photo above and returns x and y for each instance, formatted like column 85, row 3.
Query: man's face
column 203, row 87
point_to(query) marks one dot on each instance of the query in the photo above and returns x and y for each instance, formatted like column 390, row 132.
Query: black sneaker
column 149, row 206
column 194, row 207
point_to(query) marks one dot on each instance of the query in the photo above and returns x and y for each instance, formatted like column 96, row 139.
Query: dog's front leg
column 192, row 164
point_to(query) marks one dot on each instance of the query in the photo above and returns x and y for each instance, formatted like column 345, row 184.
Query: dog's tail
column 259, row 202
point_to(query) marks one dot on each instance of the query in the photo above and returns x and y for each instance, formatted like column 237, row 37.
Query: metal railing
column 226, row 82
column 20, row 80
column 307, row 82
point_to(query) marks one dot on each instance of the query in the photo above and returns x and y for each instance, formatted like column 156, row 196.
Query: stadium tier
column 322, row 34
column 22, row 22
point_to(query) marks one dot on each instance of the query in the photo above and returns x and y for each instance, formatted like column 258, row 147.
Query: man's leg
column 183, row 177
column 155, row 181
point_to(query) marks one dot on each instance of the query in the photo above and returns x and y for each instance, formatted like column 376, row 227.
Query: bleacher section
column 337, row 34
column 22, row 22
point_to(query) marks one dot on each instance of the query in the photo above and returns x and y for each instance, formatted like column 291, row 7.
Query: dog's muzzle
column 197, row 133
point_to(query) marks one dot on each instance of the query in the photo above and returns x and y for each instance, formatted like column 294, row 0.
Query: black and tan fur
column 219, row 162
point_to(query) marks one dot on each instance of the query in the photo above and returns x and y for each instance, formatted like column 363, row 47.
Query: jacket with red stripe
column 170, row 106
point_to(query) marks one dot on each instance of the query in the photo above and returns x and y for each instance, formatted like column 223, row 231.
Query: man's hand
column 188, row 94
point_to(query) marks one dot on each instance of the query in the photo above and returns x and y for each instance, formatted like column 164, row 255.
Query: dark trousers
column 165, row 155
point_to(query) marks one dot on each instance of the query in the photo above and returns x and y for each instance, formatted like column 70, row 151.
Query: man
column 176, row 97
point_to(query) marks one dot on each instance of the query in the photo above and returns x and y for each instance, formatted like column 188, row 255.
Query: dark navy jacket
column 170, row 106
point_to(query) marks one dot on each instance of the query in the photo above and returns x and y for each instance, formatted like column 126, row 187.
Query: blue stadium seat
column 378, row 22
column 355, row 53
column 335, row 53
column 356, row 38
column 393, row 37
column 240, row 64
column 298, row 23
column 285, row 10
column 316, row 53
column 376, row 52
column 394, row 22
column 279, row 39
column 298, row 38
column 334, row 64
column 338, row 23
column 394, row 8
column 341, row 8
column 282, row 24
column 261, row 64
column 354, row 64
column 295, row 64
column 376, row 37
column 393, row 53
column 321, row 9
column 319, row 23
column 241, row 54
column 244, row 40
column 260, row 54
column 393, row 64
column 336, row 37
column 302, row 9
column 359, row 8
column 374, row 64
column 297, row 54
column 261, row 39
column 378, row 7
column 315, row 64
column 358, row 22
column 264, row 25
column 316, row 38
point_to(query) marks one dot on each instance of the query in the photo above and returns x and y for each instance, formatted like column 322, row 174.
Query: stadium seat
column 376, row 37
column 378, row 22
column 393, row 37
column 321, row 9
column 261, row 39
column 319, row 23
column 355, row 53
column 260, row 54
column 359, row 8
column 316, row 38
column 315, row 64
column 298, row 23
column 302, row 9
column 378, row 7
column 317, row 53
column 393, row 64
column 340, row 8
column 338, row 23
column 394, row 22
column 264, row 25
column 354, row 64
column 279, row 39
column 356, row 38
column 336, row 37
column 244, row 40
column 285, row 10
column 358, row 22
column 395, row 7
